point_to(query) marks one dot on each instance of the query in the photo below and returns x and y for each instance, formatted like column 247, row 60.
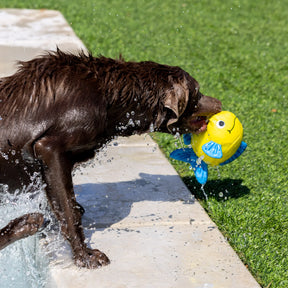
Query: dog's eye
column 220, row 124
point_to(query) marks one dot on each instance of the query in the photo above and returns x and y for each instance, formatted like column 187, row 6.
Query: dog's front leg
column 57, row 174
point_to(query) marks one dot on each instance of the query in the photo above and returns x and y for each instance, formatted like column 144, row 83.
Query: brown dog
column 57, row 110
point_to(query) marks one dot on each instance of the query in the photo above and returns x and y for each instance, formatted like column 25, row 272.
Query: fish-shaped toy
column 220, row 144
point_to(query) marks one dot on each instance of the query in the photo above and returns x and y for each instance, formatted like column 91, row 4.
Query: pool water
column 23, row 264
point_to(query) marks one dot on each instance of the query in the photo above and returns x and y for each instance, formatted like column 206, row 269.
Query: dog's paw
column 91, row 259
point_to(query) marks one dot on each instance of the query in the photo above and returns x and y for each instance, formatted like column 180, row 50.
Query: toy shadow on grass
column 221, row 189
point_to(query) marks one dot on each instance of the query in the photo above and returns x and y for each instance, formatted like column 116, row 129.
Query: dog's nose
column 208, row 105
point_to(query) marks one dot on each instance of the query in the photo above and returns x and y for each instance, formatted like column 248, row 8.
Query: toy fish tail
column 184, row 154
column 188, row 155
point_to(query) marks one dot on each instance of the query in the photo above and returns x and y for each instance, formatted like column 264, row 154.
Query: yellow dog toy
column 220, row 144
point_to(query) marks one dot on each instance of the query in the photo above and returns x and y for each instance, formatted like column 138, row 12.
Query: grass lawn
column 238, row 52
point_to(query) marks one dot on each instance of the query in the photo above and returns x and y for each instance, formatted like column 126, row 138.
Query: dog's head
column 188, row 109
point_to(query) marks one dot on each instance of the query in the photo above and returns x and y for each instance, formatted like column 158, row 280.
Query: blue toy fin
column 201, row 173
column 187, row 139
column 239, row 151
column 184, row 154
column 213, row 150
column 189, row 156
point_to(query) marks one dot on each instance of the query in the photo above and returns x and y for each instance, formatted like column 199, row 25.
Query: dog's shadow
column 108, row 203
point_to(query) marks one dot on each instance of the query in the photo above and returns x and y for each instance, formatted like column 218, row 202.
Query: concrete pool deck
column 138, row 211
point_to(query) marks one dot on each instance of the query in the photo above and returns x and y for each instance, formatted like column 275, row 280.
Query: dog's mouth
column 198, row 124
column 207, row 106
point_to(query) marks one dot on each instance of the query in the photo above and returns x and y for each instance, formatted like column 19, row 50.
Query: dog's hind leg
column 21, row 227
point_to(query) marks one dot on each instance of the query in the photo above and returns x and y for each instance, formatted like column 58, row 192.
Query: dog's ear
column 176, row 99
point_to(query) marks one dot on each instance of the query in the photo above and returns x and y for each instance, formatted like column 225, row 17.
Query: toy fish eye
column 220, row 124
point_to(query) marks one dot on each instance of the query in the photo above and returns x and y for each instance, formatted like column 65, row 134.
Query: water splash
column 23, row 264
column 178, row 137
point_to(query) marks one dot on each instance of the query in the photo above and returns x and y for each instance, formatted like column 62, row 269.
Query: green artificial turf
column 238, row 52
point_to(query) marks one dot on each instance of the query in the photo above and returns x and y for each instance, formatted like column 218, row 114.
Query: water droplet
column 199, row 160
column 204, row 193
